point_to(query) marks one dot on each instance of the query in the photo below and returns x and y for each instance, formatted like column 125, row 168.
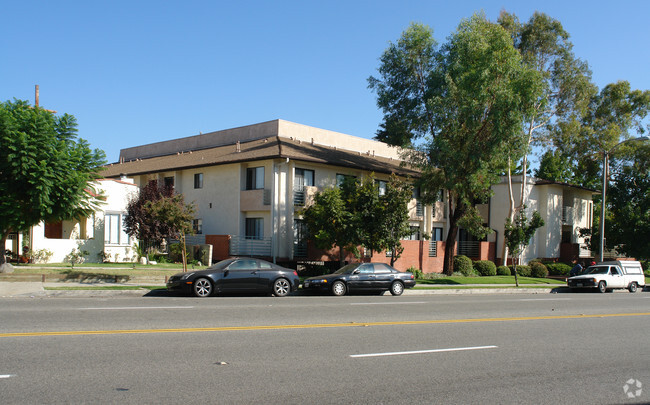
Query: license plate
column 306, row 283
column 579, row 284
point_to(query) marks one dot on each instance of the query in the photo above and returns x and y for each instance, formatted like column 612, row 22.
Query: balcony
column 241, row 246
column 255, row 200
column 304, row 195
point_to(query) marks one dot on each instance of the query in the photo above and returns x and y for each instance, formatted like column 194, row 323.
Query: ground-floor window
column 114, row 231
column 254, row 228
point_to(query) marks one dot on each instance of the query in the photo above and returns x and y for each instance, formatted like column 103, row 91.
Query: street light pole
column 605, row 178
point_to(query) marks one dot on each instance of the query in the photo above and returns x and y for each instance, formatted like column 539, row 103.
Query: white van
column 610, row 275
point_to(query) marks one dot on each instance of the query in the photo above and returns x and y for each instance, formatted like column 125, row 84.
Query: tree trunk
column 3, row 244
column 341, row 256
column 455, row 213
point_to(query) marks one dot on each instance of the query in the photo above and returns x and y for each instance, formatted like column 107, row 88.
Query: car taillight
column 295, row 273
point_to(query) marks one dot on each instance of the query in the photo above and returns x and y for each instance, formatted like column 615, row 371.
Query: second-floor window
column 340, row 178
column 198, row 180
column 381, row 184
column 303, row 177
column 255, row 178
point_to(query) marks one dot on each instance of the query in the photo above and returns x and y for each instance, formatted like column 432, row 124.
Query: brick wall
column 220, row 246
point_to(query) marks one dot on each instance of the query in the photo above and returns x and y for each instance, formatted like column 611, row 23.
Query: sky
column 138, row 72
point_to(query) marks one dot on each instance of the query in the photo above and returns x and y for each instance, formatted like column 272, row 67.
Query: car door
column 616, row 277
column 362, row 278
column 241, row 275
column 266, row 274
column 383, row 276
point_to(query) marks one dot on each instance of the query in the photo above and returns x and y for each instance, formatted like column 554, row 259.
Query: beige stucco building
column 250, row 184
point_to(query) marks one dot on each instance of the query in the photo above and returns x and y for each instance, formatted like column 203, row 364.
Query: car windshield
column 222, row 264
column 598, row 270
column 347, row 269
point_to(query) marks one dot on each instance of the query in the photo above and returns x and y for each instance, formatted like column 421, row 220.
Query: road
column 519, row 348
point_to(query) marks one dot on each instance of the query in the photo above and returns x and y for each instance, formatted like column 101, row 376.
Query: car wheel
column 339, row 288
column 602, row 287
column 202, row 287
column 397, row 288
column 281, row 287
column 632, row 287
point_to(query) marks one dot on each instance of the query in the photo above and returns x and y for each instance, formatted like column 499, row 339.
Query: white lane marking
column 6, row 375
column 388, row 303
column 545, row 299
column 123, row 308
column 453, row 349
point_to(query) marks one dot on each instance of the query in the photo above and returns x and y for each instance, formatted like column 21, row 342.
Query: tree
column 330, row 222
column 139, row 221
column 357, row 214
column 566, row 89
column 629, row 200
column 465, row 101
column 46, row 172
column 517, row 235
column 394, row 216
column 175, row 216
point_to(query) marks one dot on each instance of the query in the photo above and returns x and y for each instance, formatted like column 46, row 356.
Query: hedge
column 503, row 271
column 463, row 264
column 485, row 268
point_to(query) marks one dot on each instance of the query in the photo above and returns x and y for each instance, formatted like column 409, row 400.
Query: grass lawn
column 460, row 280
column 111, row 269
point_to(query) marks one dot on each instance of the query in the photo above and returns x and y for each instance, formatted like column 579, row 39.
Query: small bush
column 503, row 271
column 558, row 269
column 537, row 269
column 522, row 270
column 463, row 264
column 485, row 268
column 417, row 273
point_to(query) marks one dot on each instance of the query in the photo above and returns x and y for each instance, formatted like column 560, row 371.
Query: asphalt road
column 520, row 348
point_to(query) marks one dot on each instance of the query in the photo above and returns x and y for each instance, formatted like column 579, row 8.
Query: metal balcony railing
column 468, row 248
column 433, row 248
column 242, row 246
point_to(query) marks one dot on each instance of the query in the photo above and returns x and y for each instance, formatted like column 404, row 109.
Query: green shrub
column 537, row 269
column 463, row 264
column 417, row 273
column 485, row 268
column 522, row 270
column 558, row 269
column 503, row 271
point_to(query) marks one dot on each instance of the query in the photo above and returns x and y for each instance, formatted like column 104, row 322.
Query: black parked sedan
column 240, row 275
column 363, row 276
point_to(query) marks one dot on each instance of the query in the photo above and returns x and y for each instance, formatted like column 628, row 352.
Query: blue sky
column 137, row 72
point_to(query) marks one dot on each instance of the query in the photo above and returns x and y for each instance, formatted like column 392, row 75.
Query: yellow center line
column 316, row 325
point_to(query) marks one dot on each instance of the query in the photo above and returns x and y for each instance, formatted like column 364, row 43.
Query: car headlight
column 186, row 276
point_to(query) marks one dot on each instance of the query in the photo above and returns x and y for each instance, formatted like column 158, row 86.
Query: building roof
column 541, row 182
column 260, row 149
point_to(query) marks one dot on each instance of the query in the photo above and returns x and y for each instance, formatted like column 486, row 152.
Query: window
column 381, row 268
column 198, row 180
column 168, row 181
column 197, row 226
column 254, row 228
column 303, row 177
column 340, row 178
column 415, row 233
column 436, row 234
column 382, row 186
column 113, row 231
column 255, row 178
